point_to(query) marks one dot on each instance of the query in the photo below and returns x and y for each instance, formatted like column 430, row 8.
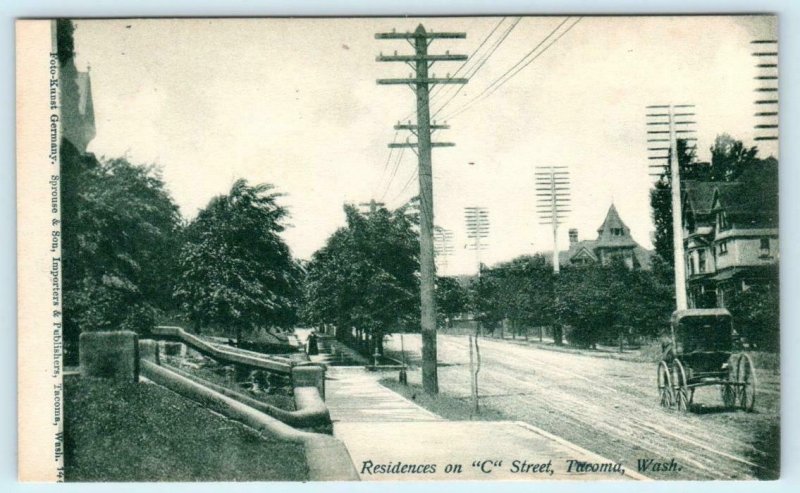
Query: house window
column 701, row 261
column 723, row 247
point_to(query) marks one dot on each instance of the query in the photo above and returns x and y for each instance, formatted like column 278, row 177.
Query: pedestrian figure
column 312, row 346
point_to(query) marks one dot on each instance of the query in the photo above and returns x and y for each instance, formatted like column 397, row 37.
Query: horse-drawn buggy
column 701, row 353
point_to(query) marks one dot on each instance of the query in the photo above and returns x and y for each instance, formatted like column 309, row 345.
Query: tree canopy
column 120, row 230
column 520, row 290
column 236, row 273
column 609, row 303
column 451, row 300
column 364, row 280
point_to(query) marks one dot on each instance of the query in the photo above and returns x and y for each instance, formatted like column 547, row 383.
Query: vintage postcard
column 452, row 248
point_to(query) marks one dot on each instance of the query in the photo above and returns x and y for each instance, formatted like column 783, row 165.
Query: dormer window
column 617, row 232
column 722, row 221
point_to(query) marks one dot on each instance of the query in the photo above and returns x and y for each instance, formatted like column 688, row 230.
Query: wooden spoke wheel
column 680, row 386
column 665, row 394
column 728, row 389
column 746, row 379
column 728, row 394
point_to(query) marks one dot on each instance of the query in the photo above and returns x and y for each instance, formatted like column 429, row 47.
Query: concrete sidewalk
column 383, row 432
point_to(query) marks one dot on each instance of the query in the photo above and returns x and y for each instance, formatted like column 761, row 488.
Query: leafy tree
column 756, row 312
column 451, row 299
column 611, row 303
column 520, row 290
column 236, row 272
column 364, row 280
column 120, row 229
column 729, row 159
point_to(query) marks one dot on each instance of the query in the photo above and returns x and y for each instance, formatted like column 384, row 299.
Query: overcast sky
column 295, row 103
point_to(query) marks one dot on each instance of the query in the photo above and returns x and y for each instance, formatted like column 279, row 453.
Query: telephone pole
column 678, row 120
column 552, row 192
column 421, row 83
column 371, row 207
column 766, row 54
column 477, row 220
column 443, row 245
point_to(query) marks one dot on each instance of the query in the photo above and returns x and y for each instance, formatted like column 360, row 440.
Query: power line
column 436, row 90
column 482, row 60
column 405, row 187
column 394, row 172
column 386, row 164
column 480, row 63
column 434, row 93
column 520, row 61
column 499, row 82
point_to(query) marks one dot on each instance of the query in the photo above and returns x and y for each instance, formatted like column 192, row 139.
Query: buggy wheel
column 746, row 378
column 665, row 395
column 728, row 393
column 680, row 386
column 728, row 389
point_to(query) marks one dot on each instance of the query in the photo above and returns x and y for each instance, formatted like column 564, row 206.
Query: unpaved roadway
column 610, row 407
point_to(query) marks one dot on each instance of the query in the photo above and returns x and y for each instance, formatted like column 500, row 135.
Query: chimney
column 573, row 236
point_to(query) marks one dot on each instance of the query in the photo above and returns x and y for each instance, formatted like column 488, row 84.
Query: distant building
column 613, row 241
column 77, row 106
column 730, row 234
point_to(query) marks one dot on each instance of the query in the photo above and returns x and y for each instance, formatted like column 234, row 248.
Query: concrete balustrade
column 311, row 409
column 328, row 458
column 113, row 355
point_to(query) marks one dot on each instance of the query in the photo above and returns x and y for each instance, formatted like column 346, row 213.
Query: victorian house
column 730, row 233
column 614, row 241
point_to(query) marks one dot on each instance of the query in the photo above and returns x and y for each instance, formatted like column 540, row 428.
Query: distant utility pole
column 553, row 199
column 766, row 54
column 369, row 208
column 421, row 84
column 678, row 121
column 477, row 219
column 443, row 245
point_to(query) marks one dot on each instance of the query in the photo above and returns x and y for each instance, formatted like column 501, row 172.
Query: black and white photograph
column 507, row 247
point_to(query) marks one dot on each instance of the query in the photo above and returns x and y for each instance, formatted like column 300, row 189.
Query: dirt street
column 610, row 406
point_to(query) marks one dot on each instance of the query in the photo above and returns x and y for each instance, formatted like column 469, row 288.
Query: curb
column 631, row 474
column 328, row 458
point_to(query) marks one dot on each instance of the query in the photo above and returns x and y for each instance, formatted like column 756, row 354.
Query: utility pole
column 766, row 54
column 552, row 192
column 477, row 219
column 421, row 83
column 443, row 244
column 674, row 117
column 369, row 208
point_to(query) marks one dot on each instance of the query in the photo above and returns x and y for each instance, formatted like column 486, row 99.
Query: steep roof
column 752, row 196
column 754, row 192
column 605, row 233
column 699, row 195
